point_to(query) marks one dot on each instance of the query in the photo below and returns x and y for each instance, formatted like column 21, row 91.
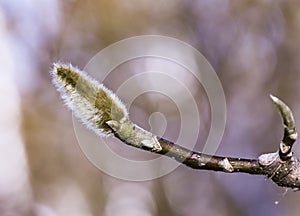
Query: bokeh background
column 253, row 46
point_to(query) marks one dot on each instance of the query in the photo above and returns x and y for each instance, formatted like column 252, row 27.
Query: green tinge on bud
column 90, row 100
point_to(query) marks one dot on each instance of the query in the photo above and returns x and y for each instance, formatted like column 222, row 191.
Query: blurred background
column 254, row 48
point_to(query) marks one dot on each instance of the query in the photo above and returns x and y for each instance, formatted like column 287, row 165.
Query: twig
column 104, row 113
column 282, row 166
column 290, row 133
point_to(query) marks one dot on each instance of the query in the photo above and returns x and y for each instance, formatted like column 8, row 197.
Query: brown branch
column 104, row 113
column 281, row 166
column 198, row 160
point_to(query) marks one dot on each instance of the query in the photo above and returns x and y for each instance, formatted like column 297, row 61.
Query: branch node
column 267, row 159
column 226, row 165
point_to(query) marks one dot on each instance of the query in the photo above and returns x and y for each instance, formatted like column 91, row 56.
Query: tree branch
column 105, row 114
column 198, row 160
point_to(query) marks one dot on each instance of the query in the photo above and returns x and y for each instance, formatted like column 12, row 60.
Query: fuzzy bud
column 90, row 100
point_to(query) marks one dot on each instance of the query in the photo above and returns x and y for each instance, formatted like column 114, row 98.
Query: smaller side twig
column 290, row 133
column 282, row 166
